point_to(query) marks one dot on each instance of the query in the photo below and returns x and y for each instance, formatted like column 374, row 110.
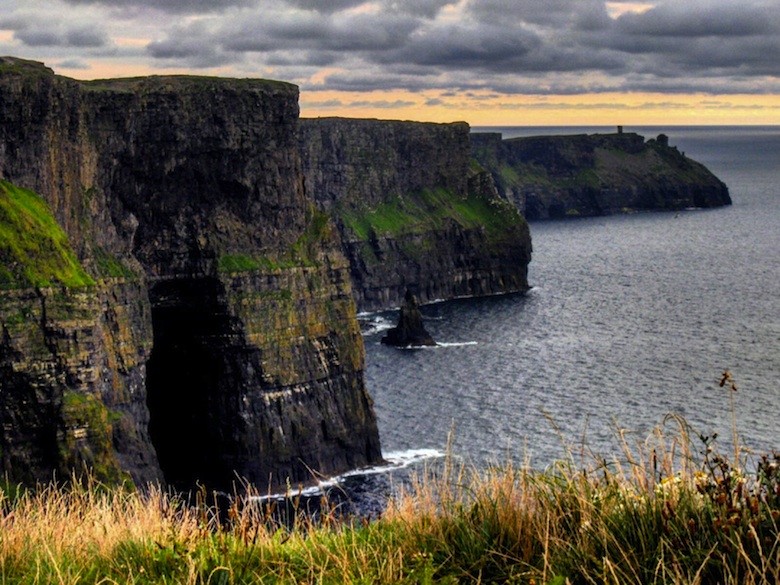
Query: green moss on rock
column 109, row 266
column 34, row 250
column 429, row 210
column 86, row 442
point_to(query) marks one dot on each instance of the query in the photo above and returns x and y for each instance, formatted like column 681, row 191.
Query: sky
column 486, row 62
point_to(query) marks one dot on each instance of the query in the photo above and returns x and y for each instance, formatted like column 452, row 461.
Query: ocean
column 631, row 319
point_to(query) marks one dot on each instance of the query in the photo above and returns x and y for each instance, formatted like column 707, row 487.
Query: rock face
column 217, row 306
column 413, row 210
column 410, row 331
column 552, row 177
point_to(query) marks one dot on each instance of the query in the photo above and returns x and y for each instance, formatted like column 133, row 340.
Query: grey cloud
column 687, row 40
column 86, row 37
column 39, row 37
column 173, row 6
column 193, row 54
column 456, row 46
column 296, row 58
column 77, row 37
column 334, row 104
column 325, row 104
column 75, row 64
column 12, row 23
column 701, row 19
column 282, row 31
column 326, row 6
column 381, row 104
column 426, row 8
column 509, row 13
column 192, row 45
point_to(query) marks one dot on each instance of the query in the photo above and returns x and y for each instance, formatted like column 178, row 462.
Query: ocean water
column 630, row 319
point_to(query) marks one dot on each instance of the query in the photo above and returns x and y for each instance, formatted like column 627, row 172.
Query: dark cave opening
column 183, row 375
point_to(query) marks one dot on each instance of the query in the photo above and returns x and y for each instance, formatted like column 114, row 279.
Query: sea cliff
column 414, row 211
column 553, row 177
column 206, row 330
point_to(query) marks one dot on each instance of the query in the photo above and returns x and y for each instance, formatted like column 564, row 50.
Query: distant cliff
column 414, row 211
column 551, row 177
column 172, row 305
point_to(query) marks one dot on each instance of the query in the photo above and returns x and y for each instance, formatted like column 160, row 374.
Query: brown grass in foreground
column 671, row 510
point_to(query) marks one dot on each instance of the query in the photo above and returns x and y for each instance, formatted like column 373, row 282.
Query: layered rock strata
column 413, row 210
column 217, row 304
column 551, row 177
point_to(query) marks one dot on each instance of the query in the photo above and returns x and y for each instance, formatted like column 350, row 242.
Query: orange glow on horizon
column 551, row 110
column 490, row 109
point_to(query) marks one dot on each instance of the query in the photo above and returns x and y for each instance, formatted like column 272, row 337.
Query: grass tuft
column 34, row 250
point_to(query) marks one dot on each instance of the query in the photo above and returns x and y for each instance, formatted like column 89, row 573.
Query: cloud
column 173, row 6
column 34, row 32
column 522, row 46
column 696, row 18
column 381, row 104
column 73, row 64
column 426, row 8
column 349, row 34
column 191, row 45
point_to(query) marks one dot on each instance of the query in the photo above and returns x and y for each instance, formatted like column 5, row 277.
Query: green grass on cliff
column 429, row 210
column 34, row 250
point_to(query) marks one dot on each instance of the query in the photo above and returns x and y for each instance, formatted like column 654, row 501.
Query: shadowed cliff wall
column 413, row 210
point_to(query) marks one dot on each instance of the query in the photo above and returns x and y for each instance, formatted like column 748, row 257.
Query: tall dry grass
column 668, row 510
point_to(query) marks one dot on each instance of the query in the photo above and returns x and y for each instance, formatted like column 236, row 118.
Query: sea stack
column 410, row 331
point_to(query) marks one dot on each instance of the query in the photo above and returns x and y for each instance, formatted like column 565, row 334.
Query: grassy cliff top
column 15, row 65
column 188, row 82
column 34, row 250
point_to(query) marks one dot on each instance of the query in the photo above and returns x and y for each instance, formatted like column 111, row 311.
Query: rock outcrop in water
column 414, row 211
column 552, row 177
column 410, row 331
column 202, row 326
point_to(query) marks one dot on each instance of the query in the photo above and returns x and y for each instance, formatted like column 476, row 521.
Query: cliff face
column 76, row 318
column 188, row 193
column 551, row 177
column 413, row 211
